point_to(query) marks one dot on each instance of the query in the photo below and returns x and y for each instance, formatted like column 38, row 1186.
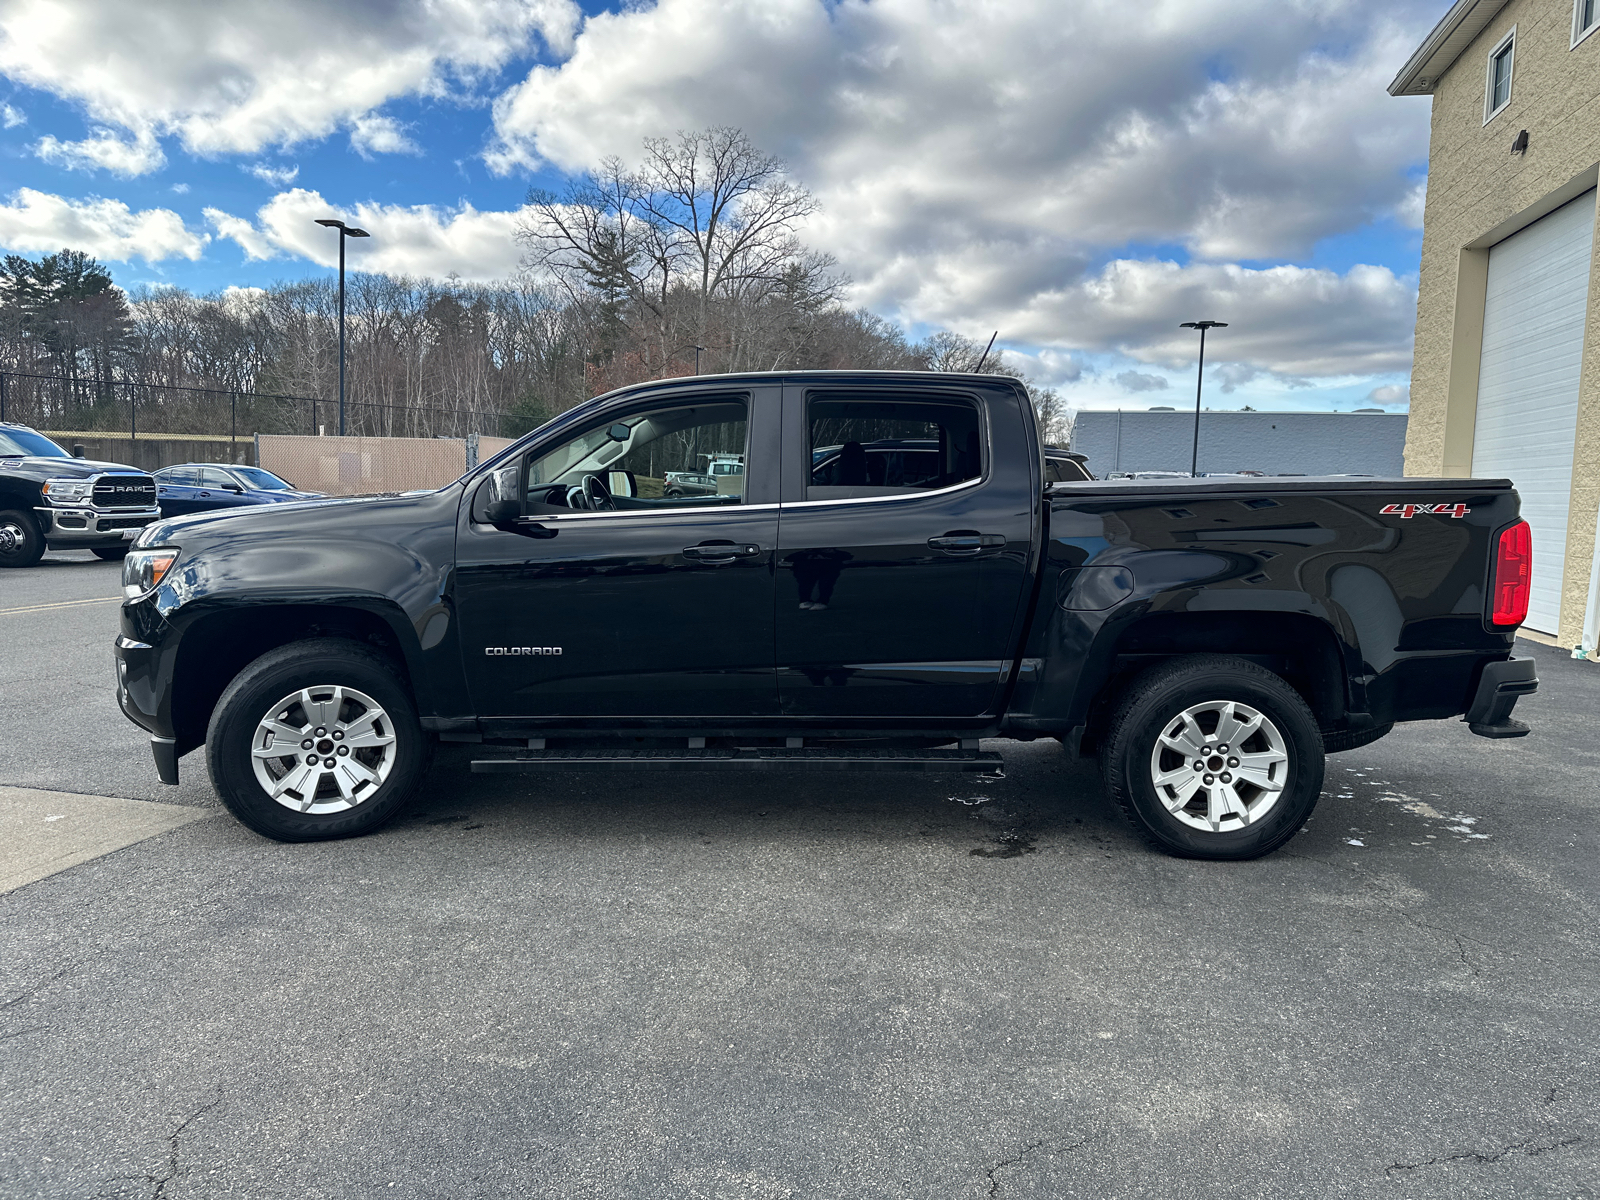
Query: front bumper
column 1500, row 686
column 82, row 527
column 139, row 695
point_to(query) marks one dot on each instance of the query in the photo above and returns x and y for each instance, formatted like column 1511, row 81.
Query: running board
column 775, row 758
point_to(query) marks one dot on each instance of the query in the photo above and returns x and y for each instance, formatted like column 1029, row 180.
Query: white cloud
column 418, row 239
column 105, row 151
column 976, row 162
column 1138, row 381
column 1292, row 321
column 240, row 77
column 380, row 135
column 1409, row 211
column 11, row 117
column 38, row 222
column 181, row 188
column 921, row 123
column 279, row 177
column 1389, row 393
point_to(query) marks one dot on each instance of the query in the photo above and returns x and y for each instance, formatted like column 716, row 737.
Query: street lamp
column 344, row 232
column 1199, row 379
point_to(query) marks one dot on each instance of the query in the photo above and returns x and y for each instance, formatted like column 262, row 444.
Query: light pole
column 344, row 232
column 1199, row 380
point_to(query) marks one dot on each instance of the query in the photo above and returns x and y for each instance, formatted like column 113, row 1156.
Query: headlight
column 143, row 570
column 68, row 491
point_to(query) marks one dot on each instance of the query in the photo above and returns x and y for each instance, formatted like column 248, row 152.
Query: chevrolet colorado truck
column 1208, row 640
column 49, row 499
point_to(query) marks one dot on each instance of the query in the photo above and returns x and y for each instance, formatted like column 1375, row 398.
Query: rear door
column 175, row 490
column 902, row 599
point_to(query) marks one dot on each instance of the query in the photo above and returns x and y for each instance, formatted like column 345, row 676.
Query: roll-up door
column 1527, row 417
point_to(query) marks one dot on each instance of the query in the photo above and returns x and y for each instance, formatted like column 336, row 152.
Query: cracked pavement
column 685, row 987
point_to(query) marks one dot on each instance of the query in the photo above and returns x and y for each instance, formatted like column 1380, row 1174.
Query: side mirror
column 621, row 483
column 497, row 502
column 500, row 513
column 77, row 450
column 235, row 489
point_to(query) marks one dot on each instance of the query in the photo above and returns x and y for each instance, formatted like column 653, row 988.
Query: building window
column 1584, row 23
column 1499, row 89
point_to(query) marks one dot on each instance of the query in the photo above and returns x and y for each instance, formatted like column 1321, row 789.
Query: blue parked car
column 215, row 487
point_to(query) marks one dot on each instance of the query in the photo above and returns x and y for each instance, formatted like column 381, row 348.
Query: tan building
column 1506, row 379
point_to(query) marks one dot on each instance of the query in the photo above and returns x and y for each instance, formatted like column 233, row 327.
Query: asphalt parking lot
column 627, row 986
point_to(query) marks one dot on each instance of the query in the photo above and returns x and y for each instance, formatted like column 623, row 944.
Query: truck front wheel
column 1211, row 756
column 315, row 740
column 21, row 543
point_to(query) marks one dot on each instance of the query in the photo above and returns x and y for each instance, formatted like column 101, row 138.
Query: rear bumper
column 1501, row 685
column 92, row 529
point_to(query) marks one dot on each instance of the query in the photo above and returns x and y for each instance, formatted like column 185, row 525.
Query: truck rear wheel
column 1211, row 756
column 21, row 543
column 316, row 740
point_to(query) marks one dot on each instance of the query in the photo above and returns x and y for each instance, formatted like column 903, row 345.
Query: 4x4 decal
column 1406, row 511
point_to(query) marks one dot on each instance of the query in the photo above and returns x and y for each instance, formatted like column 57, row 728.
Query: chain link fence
column 134, row 409
column 387, row 448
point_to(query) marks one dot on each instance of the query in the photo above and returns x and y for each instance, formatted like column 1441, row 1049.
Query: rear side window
column 179, row 476
column 1064, row 470
column 865, row 447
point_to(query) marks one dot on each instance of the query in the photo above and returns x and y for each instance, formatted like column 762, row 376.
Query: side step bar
column 774, row 758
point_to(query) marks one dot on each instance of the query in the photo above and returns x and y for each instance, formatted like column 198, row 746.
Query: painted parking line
column 28, row 608
column 42, row 833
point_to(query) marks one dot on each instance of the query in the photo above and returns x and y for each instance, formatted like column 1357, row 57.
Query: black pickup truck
column 50, row 499
column 1208, row 640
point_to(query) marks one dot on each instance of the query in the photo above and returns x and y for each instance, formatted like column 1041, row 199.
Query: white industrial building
column 1276, row 443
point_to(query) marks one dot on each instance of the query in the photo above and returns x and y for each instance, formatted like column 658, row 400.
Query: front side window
column 212, row 478
column 865, row 447
column 1500, row 63
column 686, row 455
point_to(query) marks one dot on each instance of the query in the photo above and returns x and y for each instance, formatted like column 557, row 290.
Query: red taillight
column 1513, row 575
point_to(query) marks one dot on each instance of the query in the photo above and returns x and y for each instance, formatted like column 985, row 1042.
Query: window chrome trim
column 541, row 518
column 902, row 498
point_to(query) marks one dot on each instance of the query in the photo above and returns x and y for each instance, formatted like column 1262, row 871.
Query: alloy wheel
column 1219, row 766
column 323, row 749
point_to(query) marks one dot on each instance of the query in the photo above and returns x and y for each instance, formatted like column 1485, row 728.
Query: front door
column 625, row 601
column 904, row 555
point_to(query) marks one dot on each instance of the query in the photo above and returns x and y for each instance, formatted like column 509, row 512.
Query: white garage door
column 1533, row 321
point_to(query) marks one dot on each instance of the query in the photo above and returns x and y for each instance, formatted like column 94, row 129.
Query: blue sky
column 1078, row 181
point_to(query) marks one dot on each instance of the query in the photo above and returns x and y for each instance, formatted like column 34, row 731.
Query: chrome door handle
column 719, row 552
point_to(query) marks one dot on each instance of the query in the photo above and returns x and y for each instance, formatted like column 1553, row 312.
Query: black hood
column 40, row 469
column 331, row 516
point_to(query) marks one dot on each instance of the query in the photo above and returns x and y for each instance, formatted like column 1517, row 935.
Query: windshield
column 262, row 481
column 27, row 443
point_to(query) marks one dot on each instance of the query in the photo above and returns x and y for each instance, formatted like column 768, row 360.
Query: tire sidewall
column 1143, row 721
column 269, row 679
column 34, row 548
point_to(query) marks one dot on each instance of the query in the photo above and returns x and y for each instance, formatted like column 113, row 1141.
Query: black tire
column 673, row 494
column 111, row 553
column 1155, row 703
column 313, row 664
column 21, row 543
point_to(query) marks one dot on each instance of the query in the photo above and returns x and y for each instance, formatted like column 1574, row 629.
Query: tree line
column 628, row 275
